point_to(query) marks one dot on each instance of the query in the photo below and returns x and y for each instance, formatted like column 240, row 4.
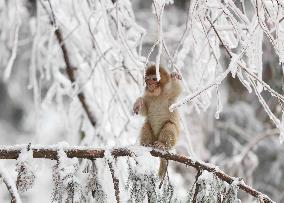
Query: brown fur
column 160, row 124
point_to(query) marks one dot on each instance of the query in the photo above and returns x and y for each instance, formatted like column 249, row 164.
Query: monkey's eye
column 151, row 77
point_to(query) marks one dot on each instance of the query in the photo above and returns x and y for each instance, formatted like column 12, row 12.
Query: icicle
column 281, row 128
column 258, row 57
column 233, row 66
column 219, row 103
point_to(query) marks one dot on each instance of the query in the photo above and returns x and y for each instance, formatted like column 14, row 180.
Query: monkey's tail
column 163, row 170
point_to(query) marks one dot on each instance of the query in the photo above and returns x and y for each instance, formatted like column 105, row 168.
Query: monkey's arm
column 173, row 88
column 140, row 107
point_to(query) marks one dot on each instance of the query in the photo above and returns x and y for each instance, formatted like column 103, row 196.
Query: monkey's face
column 151, row 83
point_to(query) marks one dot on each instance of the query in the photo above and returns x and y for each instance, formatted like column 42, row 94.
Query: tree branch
column 69, row 67
column 71, row 75
column 50, row 152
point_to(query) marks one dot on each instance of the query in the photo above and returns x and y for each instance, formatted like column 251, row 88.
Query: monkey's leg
column 146, row 135
column 168, row 137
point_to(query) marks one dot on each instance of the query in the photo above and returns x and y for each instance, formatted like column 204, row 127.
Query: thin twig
column 256, row 140
column 115, row 181
column 221, row 41
column 182, row 37
column 196, row 190
column 11, row 61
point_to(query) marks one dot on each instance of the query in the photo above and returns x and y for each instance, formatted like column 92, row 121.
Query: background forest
column 70, row 71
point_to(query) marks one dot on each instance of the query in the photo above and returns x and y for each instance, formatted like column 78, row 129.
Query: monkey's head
column 153, row 86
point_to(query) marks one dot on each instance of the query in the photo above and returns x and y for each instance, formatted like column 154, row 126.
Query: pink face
column 151, row 82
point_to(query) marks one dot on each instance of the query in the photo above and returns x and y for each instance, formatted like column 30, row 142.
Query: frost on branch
column 93, row 184
column 26, row 170
column 208, row 188
column 145, row 186
column 232, row 193
column 66, row 181
column 141, row 185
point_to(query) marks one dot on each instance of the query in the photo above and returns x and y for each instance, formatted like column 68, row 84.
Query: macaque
column 161, row 127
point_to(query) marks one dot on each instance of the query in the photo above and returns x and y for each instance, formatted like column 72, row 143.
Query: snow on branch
column 50, row 152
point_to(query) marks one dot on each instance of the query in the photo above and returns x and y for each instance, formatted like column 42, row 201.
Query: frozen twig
column 11, row 61
column 220, row 39
column 115, row 181
column 50, row 152
column 11, row 186
column 182, row 37
column 196, row 190
column 188, row 98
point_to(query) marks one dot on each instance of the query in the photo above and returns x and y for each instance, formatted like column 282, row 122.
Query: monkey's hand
column 138, row 105
column 159, row 145
column 175, row 76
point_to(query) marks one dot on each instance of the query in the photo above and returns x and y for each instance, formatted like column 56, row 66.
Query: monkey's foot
column 159, row 145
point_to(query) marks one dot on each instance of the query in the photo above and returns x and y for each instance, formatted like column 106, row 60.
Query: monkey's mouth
column 151, row 87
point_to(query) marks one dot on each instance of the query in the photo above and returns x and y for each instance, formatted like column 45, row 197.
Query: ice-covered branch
column 11, row 61
column 50, row 152
column 187, row 99
column 69, row 67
